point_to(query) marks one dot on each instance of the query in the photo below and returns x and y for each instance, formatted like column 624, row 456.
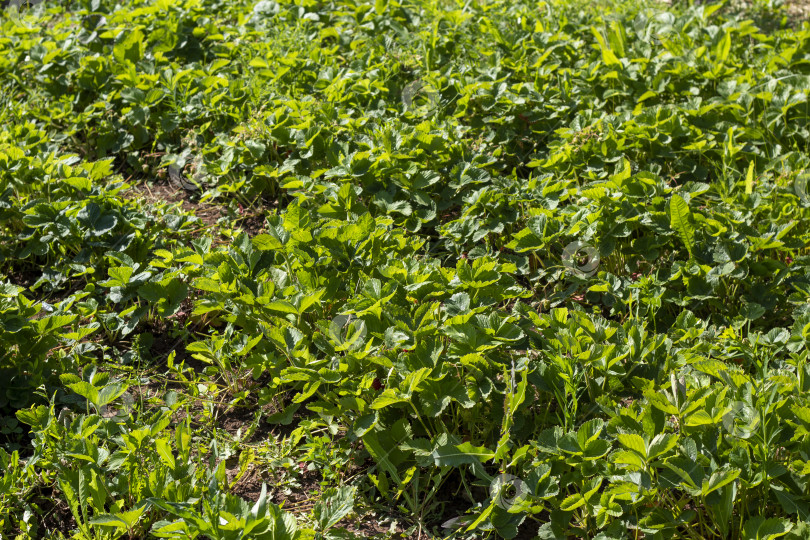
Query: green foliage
column 473, row 270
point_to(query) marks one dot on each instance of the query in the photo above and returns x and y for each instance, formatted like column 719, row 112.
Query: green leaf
column 680, row 219
column 752, row 311
column 381, row 455
column 298, row 223
column 131, row 47
column 626, row 457
column 336, row 504
column 792, row 504
column 723, row 47
column 109, row 520
column 608, row 56
column 36, row 417
column 589, row 431
column 86, row 390
column 164, row 450
column 47, row 324
column 718, row 479
column 92, row 217
column 260, row 508
column 633, row 442
column 266, row 242
column 760, row 528
column 281, row 306
column 110, row 393
column 119, row 276
column 572, row 502
column 749, row 179
column 661, row 444
column 122, row 520
column 388, row 397
column 206, row 284
column 454, row 455
column 79, row 182
column 285, row 416
column 151, row 292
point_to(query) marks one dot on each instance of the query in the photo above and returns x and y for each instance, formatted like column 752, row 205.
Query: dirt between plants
column 163, row 191
column 796, row 9
column 56, row 515
column 251, row 220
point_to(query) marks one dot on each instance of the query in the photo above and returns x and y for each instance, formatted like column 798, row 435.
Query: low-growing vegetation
column 289, row 269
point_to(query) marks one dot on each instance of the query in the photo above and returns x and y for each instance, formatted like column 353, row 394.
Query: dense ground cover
column 423, row 269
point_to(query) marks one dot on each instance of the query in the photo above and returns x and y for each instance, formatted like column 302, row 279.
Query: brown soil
column 251, row 223
column 54, row 512
column 163, row 191
column 799, row 9
column 163, row 343
column 24, row 277
column 249, row 487
column 250, row 220
column 241, row 418
column 303, row 490
column 370, row 525
column 305, row 494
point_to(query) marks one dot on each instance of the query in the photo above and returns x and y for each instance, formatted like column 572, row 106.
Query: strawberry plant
column 404, row 269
